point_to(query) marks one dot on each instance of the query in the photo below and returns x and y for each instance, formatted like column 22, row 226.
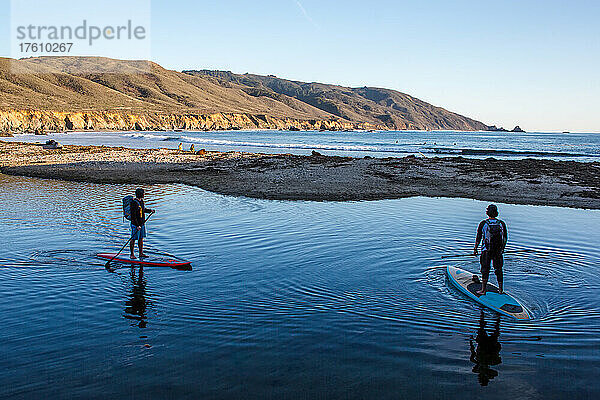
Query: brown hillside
column 62, row 84
column 55, row 83
column 367, row 104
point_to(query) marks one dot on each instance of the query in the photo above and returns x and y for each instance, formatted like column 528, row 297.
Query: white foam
column 146, row 136
column 275, row 145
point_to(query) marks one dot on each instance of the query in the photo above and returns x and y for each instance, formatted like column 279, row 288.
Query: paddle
column 471, row 254
column 126, row 243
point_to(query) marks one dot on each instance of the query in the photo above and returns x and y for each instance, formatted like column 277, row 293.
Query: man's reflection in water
column 135, row 307
column 486, row 352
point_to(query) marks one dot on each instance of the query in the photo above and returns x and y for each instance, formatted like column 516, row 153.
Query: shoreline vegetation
column 315, row 177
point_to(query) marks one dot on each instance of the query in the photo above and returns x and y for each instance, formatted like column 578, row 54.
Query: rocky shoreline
column 316, row 177
column 44, row 121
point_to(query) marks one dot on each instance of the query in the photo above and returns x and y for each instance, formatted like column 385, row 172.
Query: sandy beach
column 316, row 177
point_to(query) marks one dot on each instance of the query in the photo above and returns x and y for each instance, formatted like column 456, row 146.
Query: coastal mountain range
column 48, row 94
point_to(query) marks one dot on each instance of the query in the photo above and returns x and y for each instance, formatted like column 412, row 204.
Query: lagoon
column 287, row 299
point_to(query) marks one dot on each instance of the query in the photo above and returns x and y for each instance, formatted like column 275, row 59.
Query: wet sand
column 316, row 177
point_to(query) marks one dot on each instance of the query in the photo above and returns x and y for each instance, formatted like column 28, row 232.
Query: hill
column 394, row 109
column 56, row 93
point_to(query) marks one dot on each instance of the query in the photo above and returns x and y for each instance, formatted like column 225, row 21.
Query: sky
column 535, row 64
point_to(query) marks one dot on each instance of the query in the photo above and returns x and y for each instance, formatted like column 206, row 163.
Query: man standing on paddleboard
column 138, row 223
column 495, row 235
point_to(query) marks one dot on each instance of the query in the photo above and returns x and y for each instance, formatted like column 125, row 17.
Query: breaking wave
column 377, row 144
column 219, row 142
column 146, row 136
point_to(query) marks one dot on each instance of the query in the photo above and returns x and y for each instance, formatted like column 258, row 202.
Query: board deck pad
column 504, row 303
column 151, row 261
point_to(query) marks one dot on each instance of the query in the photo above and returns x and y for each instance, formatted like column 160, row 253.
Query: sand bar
column 316, row 177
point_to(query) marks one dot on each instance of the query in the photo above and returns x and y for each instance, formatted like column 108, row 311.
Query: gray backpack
column 127, row 207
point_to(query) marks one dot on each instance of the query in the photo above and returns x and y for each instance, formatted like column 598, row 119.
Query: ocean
column 583, row 147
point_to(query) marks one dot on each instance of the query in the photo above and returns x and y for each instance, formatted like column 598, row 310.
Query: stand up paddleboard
column 151, row 261
column 503, row 303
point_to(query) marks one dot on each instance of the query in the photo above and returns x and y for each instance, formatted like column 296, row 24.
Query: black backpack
column 495, row 239
column 127, row 207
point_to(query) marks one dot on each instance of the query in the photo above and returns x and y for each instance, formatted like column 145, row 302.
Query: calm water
column 558, row 146
column 287, row 299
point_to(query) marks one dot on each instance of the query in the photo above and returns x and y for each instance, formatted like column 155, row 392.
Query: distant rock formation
column 52, row 145
column 494, row 128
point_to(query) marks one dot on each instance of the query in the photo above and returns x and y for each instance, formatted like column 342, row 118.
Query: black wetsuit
column 138, row 212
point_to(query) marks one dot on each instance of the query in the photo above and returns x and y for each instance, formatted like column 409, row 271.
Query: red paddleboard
column 151, row 261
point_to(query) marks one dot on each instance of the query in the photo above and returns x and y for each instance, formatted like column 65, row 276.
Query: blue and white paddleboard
column 503, row 303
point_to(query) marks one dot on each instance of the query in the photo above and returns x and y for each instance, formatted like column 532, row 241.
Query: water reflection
column 284, row 304
column 485, row 351
column 136, row 305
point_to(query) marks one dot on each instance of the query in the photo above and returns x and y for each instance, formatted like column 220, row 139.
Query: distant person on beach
column 493, row 234
column 138, row 223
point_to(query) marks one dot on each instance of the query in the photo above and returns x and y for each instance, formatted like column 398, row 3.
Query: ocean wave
column 376, row 147
column 146, row 136
column 221, row 142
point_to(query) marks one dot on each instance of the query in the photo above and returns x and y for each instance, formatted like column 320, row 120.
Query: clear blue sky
column 532, row 63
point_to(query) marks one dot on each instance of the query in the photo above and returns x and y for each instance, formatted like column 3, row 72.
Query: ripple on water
column 363, row 281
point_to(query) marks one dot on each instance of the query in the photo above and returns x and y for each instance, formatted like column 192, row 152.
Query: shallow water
column 504, row 145
column 287, row 299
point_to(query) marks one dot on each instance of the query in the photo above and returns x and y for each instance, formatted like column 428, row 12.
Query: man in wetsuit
column 138, row 223
column 493, row 234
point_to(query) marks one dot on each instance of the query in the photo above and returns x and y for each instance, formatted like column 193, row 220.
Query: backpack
column 495, row 239
column 127, row 207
